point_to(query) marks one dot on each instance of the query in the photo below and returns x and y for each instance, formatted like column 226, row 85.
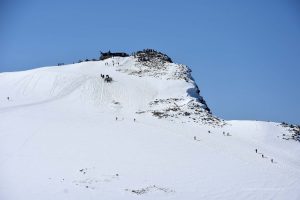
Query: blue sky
column 245, row 55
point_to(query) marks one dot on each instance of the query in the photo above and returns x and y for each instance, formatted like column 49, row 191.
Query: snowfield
column 66, row 133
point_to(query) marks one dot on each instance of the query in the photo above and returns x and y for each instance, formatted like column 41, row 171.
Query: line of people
column 228, row 134
column 113, row 63
column 134, row 120
column 263, row 156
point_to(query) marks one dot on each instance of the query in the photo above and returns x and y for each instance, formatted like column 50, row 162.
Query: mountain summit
column 153, row 84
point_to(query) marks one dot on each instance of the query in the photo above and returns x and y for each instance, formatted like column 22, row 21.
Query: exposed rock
column 294, row 131
column 151, row 55
column 151, row 63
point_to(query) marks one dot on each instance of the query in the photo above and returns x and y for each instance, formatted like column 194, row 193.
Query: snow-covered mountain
column 134, row 128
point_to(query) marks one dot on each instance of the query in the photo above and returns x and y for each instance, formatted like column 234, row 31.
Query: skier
column 195, row 138
column 228, row 134
column 116, row 118
column 223, row 133
column 272, row 160
column 255, row 150
column 134, row 119
column 7, row 98
column 262, row 155
column 208, row 131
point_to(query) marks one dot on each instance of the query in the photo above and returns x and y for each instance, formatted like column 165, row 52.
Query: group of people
column 106, row 78
column 226, row 134
column 134, row 120
column 113, row 63
column 117, row 63
column 262, row 155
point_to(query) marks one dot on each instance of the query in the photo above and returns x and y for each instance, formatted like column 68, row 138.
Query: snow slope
column 59, row 138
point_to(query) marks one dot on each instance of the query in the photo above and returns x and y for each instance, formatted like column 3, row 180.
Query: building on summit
column 106, row 55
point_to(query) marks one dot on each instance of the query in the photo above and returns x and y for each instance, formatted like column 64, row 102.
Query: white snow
column 59, row 139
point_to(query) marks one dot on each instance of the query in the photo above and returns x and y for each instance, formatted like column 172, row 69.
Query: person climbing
column 262, row 155
column 116, row 118
column 255, row 150
column 208, row 131
column 7, row 98
column 224, row 133
column 272, row 160
column 228, row 134
column 134, row 119
column 195, row 138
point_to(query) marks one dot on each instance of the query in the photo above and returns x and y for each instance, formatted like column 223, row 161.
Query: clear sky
column 245, row 55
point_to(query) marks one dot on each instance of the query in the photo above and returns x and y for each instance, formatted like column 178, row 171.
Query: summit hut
column 106, row 55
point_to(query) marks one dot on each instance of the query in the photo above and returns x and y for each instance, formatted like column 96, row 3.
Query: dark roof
column 105, row 55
